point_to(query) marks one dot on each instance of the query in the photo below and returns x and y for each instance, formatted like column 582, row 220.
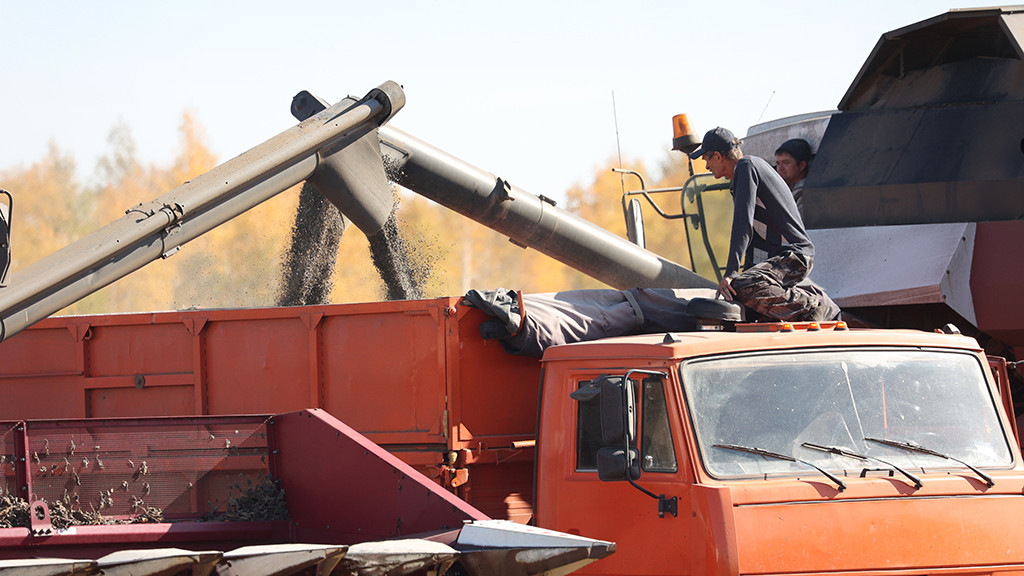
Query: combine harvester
column 915, row 197
column 730, row 449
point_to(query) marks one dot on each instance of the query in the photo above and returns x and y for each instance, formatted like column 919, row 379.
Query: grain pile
column 264, row 500
column 64, row 513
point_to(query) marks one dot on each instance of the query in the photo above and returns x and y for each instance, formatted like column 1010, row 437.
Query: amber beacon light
column 683, row 138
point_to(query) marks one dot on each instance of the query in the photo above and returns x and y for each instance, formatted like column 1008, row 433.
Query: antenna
column 765, row 108
column 618, row 144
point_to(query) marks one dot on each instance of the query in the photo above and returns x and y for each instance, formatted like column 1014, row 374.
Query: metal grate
column 184, row 467
column 8, row 469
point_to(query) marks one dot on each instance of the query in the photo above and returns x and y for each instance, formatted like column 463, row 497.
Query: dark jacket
column 764, row 215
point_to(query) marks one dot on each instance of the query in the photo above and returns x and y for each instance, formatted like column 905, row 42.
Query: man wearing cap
column 765, row 217
column 792, row 159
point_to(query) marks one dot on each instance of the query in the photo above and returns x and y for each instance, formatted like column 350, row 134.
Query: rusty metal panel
column 384, row 370
column 112, row 402
column 46, row 396
column 164, row 348
column 504, row 489
column 369, row 494
column 98, row 366
column 492, row 409
column 256, row 363
column 997, row 280
column 54, row 342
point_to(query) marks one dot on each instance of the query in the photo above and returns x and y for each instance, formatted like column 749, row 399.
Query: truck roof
column 682, row 345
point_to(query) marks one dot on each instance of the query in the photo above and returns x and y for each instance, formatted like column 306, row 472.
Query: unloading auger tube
column 528, row 220
column 159, row 228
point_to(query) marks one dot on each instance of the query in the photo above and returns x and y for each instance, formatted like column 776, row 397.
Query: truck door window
column 588, row 432
column 657, row 448
column 658, row 453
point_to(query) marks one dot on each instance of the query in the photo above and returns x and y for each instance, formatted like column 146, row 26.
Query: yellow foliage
column 195, row 158
column 48, row 207
column 239, row 263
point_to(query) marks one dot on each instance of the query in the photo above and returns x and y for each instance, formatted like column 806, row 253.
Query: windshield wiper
column 762, row 452
column 844, row 452
column 915, row 447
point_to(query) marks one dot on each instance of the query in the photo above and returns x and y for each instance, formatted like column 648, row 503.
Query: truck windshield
column 937, row 399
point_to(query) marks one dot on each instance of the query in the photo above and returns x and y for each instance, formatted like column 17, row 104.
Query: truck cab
column 781, row 449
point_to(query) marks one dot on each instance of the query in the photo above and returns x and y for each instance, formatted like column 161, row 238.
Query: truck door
column 647, row 541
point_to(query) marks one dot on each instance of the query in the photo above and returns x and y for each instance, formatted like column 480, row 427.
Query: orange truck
column 794, row 450
column 767, row 449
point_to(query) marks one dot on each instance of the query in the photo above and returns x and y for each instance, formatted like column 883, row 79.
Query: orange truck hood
column 938, row 533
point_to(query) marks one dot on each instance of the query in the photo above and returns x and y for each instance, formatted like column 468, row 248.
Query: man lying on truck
column 765, row 217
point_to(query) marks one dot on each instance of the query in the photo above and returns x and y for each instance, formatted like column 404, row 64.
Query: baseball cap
column 716, row 140
column 798, row 148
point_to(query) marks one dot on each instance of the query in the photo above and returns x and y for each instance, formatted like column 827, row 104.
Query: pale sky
column 523, row 89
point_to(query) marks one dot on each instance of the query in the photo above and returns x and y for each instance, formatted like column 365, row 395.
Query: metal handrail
column 696, row 220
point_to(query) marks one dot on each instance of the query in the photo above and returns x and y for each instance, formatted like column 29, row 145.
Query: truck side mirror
column 635, row 223
column 6, row 214
column 617, row 460
column 613, row 465
column 613, row 405
column 618, row 412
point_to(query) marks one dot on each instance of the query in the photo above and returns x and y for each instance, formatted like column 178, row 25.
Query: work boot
column 826, row 310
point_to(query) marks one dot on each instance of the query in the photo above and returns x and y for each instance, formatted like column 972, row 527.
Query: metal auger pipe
column 159, row 228
column 528, row 220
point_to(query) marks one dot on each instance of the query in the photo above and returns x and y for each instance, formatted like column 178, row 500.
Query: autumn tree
column 237, row 263
column 50, row 210
column 234, row 265
column 123, row 183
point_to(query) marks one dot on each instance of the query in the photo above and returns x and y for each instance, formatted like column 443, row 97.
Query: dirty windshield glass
column 777, row 402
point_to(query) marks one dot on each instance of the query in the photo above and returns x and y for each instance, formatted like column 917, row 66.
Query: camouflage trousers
column 772, row 289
